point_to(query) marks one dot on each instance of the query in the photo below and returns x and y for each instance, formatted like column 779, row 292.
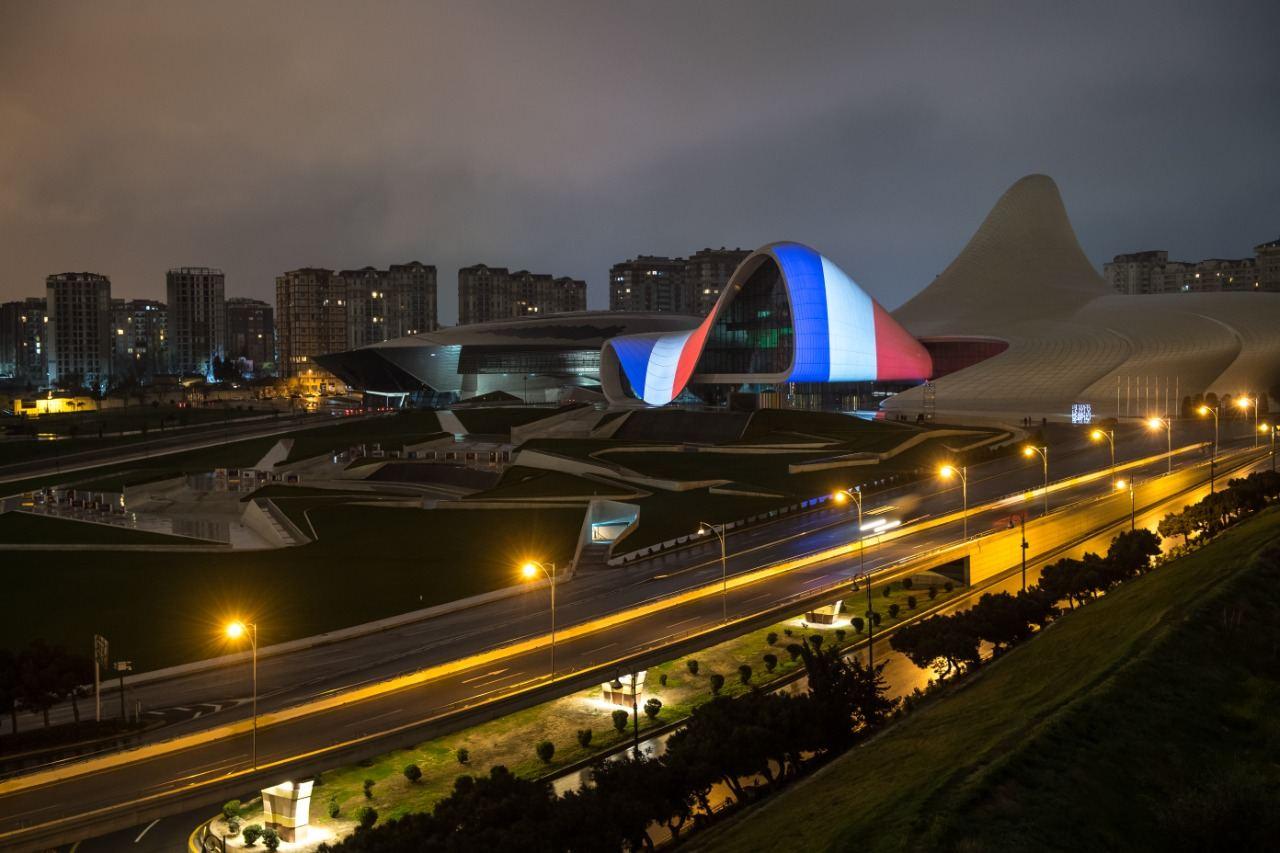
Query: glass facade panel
column 754, row 333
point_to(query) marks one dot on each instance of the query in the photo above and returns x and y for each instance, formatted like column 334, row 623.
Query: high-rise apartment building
column 1137, row 272
column 251, row 334
column 138, row 344
column 78, row 334
column 197, row 322
column 681, row 285
column 488, row 293
column 311, row 318
column 1268, row 265
column 22, row 341
column 390, row 303
column 1153, row 272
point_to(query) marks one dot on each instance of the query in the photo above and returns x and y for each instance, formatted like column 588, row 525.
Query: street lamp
column 1031, row 450
column 1110, row 436
column 1121, row 485
column 947, row 472
column 235, row 630
column 703, row 529
column 855, row 495
column 530, row 571
column 1270, row 430
column 1213, row 459
column 1244, row 403
column 1167, row 426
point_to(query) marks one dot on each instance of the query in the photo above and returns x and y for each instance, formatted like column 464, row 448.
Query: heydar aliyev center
column 1020, row 324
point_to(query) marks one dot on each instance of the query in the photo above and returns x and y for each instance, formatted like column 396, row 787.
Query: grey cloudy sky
column 563, row 137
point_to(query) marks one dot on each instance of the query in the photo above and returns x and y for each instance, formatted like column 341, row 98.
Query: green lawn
column 852, row 433
column 391, row 431
column 370, row 562
column 22, row 528
column 1142, row 722
column 499, row 421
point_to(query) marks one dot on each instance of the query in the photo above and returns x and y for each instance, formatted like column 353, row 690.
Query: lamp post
column 1120, row 486
column 1245, row 403
column 1167, row 425
column 719, row 531
column 1213, row 459
column 1270, row 430
column 236, row 630
column 530, row 571
column 1022, row 520
column 947, row 471
column 855, row 494
column 1031, row 450
column 1110, row 436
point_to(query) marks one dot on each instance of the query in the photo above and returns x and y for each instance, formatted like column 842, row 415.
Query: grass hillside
column 1143, row 722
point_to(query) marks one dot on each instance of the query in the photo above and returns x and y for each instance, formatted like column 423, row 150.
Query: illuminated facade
column 788, row 315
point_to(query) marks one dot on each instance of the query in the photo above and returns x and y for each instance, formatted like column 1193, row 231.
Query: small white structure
column 624, row 691
column 824, row 615
column 286, row 808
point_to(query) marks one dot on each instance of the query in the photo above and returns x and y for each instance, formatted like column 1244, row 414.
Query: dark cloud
column 566, row 136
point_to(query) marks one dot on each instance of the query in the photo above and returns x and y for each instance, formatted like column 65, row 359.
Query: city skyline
column 883, row 152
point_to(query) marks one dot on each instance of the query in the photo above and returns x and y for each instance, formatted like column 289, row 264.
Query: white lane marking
column 602, row 648
column 486, row 675
column 682, row 621
column 145, row 830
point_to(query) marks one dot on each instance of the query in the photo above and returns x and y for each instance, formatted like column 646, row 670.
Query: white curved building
column 1021, row 324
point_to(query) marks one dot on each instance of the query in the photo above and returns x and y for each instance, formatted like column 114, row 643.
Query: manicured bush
column 463, row 755
column 815, row 640
column 887, row 591
column 271, row 839
column 933, row 592
column 620, row 718
column 911, row 602
column 795, row 650
column 948, row 586
column 840, row 635
column 908, row 583
column 744, row 673
column 772, row 638
column 334, row 808
column 692, row 665
column 652, row 708
column 230, row 809
column 413, row 773
column 584, row 738
column 662, row 679
column 770, row 662
column 857, row 624
column 717, row 681
column 252, row 833
column 233, row 827
column 545, row 750
column 786, row 631
column 367, row 816
column 894, row 610
column 368, row 789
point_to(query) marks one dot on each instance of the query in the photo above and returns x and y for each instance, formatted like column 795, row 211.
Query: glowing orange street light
column 235, row 630
column 1110, row 436
column 1121, row 485
column 529, row 571
column 949, row 471
column 1244, row 403
column 1167, row 426
column 1031, row 450
column 721, row 532
column 1270, row 430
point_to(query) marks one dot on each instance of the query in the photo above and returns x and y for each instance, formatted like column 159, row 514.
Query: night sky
column 562, row 137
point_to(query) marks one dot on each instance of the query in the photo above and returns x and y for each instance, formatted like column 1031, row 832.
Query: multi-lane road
column 219, row 764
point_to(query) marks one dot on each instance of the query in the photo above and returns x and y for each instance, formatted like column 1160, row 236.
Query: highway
column 291, row 679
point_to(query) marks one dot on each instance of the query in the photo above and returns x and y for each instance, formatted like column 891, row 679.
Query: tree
column 270, row 839
column 944, row 643
column 9, row 687
column 857, row 624
column 366, row 817
column 815, row 640
column 652, row 708
column 894, row 610
column 770, row 662
column 911, row 602
column 845, row 694
column 620, row 718
column 999, row 619
column 368, row 789
column 413, row 773
column 744, row 673
column 545, row 751
column 252, row 833
column 717, row 681
column 584, row 738
column 692, row 665
column 1131, row 551
column 334, row 808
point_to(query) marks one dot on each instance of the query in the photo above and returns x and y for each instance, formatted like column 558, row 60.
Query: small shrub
column 894, row 610
column 772, row 638
column 815, row 640
column 692, row 665
column 948, row 586
column 620, row 718
column 933, row 592
column 717, row 681
column 233, row 827
column 911, row 602
column 271, row 839
column 463, row 755
column 367, row 816
column 365, row 762
column 652, row 708
column 252, row 833
column 794, row 649
column 857, row 624
column 744, row 673
column 887, row 591
column 770, row 662
column 662, row 679
column 908, row 583
column 413, row 773
column 840, row 635
column 545, row 751
column 786, row 631
column 231, row 809
column 877, row 618
column 368, row 789
column 334, row 808
column 584, row 738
